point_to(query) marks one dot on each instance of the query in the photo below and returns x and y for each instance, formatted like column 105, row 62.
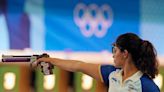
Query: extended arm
column 75, row 66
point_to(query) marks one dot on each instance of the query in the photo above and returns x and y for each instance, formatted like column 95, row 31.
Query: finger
column 35, row 64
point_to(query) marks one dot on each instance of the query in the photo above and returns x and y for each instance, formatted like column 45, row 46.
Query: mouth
column 114, row 61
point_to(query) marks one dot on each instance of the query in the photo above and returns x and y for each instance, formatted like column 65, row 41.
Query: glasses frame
column 113, row 48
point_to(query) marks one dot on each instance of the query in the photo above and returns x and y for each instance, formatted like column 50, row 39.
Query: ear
column 125, row 54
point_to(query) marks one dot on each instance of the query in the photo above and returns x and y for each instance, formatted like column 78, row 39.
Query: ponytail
column 147, row 62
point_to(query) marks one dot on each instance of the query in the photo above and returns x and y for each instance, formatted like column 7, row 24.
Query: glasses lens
column 113, row 49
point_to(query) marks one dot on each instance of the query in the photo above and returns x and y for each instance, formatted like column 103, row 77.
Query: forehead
column 115, row 48
column 114, row 45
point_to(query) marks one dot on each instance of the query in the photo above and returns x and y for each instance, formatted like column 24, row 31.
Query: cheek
column 118, row 56
column 119, row 59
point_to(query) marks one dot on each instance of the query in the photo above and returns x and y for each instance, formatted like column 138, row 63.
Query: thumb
column 34, row 64
column 38, row 61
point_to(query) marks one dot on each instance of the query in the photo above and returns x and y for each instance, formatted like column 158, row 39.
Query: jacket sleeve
column 105, row 71
column 148, row 84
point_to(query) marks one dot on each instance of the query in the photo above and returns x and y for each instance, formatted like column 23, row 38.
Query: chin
column 117, row 66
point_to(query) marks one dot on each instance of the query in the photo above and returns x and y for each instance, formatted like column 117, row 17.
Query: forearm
column 68, row 65
column 75, row 66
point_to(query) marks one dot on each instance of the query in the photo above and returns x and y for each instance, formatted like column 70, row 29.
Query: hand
column 37, row 62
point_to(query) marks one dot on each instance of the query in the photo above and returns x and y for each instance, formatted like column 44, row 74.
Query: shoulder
column 107, row 68
column 148, row 84
column 105, row 71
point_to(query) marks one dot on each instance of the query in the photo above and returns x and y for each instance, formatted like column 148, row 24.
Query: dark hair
column 143, row 53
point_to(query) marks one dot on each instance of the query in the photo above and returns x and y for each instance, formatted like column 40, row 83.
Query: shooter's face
column 118, row 57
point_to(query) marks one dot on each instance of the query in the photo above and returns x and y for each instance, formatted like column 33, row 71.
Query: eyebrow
column 115, row 45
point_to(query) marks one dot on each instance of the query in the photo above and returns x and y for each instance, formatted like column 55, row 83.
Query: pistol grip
column 47, row 68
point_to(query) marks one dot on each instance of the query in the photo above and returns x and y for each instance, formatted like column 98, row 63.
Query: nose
column 113, row 55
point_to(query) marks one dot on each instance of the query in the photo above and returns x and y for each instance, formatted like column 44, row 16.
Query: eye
column 113, row 50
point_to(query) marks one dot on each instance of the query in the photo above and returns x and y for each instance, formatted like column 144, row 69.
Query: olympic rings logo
column 93, row 20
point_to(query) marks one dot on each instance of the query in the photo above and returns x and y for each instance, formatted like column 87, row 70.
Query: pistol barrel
column 11, row 58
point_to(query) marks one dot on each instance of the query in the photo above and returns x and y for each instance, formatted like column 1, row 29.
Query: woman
column 135, row 66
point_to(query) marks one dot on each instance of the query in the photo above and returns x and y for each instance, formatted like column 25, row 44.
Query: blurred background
column 72, row 29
